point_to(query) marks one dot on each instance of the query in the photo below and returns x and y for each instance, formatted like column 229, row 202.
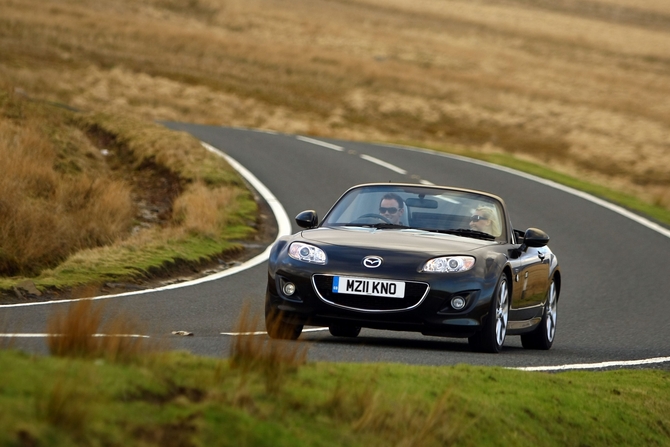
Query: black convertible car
column 436, row 260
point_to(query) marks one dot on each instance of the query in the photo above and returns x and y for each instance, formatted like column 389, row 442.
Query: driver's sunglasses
column 390, row 210
column 477, row 218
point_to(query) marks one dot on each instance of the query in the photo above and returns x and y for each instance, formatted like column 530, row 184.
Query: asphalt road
column 614, row 305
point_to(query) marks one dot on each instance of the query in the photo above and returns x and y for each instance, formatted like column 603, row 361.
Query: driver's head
column 392, row 207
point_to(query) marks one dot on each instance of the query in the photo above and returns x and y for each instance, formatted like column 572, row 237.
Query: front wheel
column 543, row 336
column 279, row 325
column 344, row 331
column 492, row 336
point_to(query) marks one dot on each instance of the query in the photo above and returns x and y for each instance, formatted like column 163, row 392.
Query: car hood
column 405, row 240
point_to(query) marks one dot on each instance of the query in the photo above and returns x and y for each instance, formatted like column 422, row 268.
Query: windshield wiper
column 464, row 232
column 381, row 226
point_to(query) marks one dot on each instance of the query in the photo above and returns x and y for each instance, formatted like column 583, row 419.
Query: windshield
column 433, row 209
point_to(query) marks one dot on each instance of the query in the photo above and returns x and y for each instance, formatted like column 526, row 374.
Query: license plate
column 367, row 286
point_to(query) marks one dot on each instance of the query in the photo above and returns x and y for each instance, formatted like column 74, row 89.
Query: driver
column 392, row 208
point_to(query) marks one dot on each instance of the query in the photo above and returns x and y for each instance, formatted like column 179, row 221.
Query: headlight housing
column 449, row 264
column 307, row 253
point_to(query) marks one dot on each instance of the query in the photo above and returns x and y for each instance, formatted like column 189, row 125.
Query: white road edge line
column 235, row 334
column 28, row 335
column 384, row 164
column 320, row 143
column 601, row 365
column 283, row 223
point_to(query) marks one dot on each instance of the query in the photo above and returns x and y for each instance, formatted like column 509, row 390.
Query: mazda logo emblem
column 372, row 262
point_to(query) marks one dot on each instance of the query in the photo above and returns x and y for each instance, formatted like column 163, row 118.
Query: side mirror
column 534, row 237
column 307, row 219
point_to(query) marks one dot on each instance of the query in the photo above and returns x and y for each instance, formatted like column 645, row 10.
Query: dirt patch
column 155, row 189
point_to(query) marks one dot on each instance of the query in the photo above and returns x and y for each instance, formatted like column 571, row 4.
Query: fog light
column 458, row 302
column 289, row 289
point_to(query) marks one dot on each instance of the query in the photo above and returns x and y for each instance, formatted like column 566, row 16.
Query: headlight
column 449, row 264
column 307, row 253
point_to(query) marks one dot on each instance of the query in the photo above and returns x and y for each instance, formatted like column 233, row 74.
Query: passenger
column 392, row 208
column 485, row 219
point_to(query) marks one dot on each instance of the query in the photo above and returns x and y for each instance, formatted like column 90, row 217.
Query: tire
column 543, row 336
column 344, row 331
column 494, row 330
column 279, row 325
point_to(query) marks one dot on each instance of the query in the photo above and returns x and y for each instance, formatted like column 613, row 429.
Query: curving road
column 614, row 305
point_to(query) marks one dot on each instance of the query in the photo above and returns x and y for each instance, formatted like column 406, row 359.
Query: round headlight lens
column 449, row 264
column 307, row 253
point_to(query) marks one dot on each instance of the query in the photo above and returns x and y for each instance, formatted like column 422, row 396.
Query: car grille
column 415, row 292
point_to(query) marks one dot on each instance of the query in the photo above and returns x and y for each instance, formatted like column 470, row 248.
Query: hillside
column 575, row 85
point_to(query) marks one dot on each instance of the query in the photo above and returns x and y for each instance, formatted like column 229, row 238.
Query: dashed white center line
column 320, row 143
column 235, row 334
column 369, row 158
column 384, row 164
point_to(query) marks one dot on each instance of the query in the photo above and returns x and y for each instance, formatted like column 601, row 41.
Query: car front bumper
column 431, row 313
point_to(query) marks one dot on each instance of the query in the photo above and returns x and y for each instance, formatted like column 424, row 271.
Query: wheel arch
column 557, row 281
column 276, row 249
column 507, row 271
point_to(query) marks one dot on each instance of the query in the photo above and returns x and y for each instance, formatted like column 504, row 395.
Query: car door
column 530, row 273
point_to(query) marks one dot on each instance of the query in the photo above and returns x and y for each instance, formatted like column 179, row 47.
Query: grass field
column 180, row 400
column 130, row 391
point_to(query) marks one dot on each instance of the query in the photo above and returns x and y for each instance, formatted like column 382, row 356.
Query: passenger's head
column 485, row 219
column 392, row 207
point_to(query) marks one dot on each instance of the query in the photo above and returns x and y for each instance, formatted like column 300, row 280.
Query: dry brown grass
column 204, row 210
column 578, row 85
column 48, row 213
column 82, row 332
column 78, row 183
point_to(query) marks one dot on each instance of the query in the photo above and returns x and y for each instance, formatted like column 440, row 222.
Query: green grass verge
column 127, row 263
column 178, row 399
